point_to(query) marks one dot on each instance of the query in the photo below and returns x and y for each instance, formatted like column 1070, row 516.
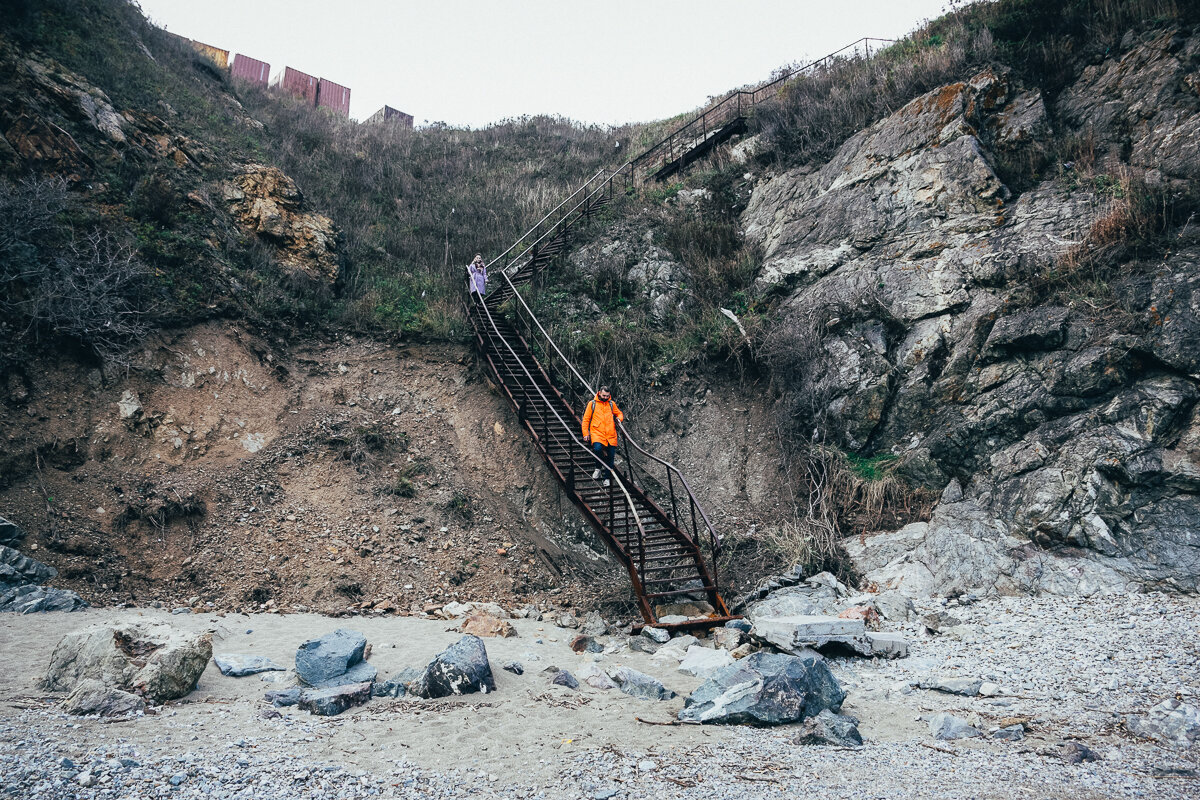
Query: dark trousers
column 607, row 453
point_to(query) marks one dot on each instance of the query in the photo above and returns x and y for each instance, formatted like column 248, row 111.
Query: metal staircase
column 649, row 517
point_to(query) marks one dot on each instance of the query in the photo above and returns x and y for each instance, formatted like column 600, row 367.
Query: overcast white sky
column 473, row 62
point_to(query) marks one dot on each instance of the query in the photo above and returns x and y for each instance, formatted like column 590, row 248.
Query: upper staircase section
column 691, row 141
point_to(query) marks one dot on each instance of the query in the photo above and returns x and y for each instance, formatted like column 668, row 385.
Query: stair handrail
column 570, row 429
column 714, row 539
column 547, row 215
column 753, row 96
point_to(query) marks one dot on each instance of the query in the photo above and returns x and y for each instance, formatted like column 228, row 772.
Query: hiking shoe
column 606, row 481
column 596, row 475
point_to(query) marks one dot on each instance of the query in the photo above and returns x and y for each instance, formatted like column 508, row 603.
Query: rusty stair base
column 684, row 547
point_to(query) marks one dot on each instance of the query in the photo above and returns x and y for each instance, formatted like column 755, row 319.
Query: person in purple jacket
column 477, row 276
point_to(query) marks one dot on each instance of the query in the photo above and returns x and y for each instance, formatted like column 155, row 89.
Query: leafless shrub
column 86, row 285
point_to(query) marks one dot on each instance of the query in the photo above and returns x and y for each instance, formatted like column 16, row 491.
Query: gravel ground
column 1075, row 668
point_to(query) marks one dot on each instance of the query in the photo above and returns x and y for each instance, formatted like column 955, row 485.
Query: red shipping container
column 299, row 84
column 251, row 69
column 333, row 96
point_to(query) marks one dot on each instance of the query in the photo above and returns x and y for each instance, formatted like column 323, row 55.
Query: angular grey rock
column 149, row 659
column 564, row 678
column 1171, row 721
column 283, row 697
column 236, row 665
column 887, row 645
column 330, row 656
column 593, row 625
column 332, row 701
column 640, row 685
column 644, row 644
column 794, row 633
column 462, row 668
column 90, row 696
column 18, row 569
column 739, row 624
column 947, row 727
column 515, row 667
column 968, row 687
column 10, row 533
column 656, row 634
column 37, row 599
column 1010, row 733
column 1076, row 753
column 765, row 689
column 828, row 728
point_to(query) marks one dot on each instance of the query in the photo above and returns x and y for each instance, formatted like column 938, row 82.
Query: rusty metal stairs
column 665, row 561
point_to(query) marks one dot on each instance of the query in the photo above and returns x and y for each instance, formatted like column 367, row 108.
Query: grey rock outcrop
column 153, row 661
column 1064, row 439
column 765, row 689
column 462, row 668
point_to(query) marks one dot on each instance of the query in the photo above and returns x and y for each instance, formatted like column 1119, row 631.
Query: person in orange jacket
column 600, row 430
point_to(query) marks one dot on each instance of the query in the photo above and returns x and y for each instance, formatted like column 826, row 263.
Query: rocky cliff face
column 1062, row 427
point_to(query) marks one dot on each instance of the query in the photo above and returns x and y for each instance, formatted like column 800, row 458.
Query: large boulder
column 335, row 659
column 151, row 660
column 32, row 599
column 18, row 569
column 765, row 689
column 462, row 668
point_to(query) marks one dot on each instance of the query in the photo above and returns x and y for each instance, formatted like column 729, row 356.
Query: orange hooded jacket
column 598, row 422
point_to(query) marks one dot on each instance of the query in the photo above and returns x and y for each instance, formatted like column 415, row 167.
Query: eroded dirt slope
column 229, row 468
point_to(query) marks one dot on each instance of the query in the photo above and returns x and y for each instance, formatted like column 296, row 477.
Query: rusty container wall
column 333, row 96
column 298, row 83
column 393, row 115
column 219, row 57
column 251, row 69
